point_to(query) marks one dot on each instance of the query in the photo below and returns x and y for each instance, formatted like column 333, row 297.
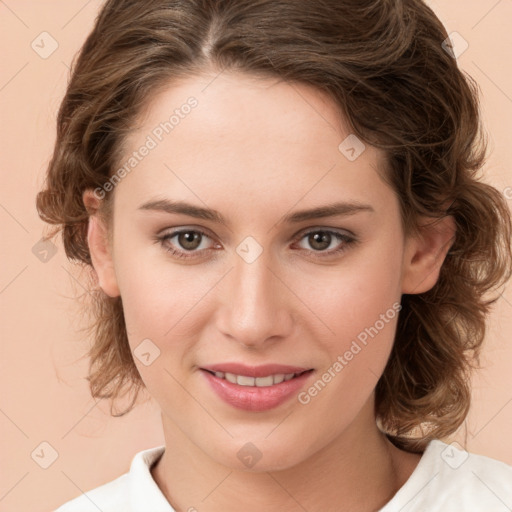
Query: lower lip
column 253, row 398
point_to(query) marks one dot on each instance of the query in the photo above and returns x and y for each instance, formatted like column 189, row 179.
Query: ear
column 99, row 247
column 425, row 253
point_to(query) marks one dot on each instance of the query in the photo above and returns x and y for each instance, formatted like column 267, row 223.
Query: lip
column 254, row 371
column 254, row 398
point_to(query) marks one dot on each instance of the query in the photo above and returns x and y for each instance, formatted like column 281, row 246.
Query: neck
column 359, row 470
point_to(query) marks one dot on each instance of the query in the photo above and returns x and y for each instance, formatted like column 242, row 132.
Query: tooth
column 231, row 377
column 278, row 378
column 243, row 380
column 264, row 381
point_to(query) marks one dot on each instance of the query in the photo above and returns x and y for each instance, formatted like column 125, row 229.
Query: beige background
column 44, row 395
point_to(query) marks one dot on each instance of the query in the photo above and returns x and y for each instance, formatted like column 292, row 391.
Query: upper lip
column 263, row 370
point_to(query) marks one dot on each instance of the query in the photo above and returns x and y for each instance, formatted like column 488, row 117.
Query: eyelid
column 345, row 237
column 329, row 229
column 170, row 232
column 182, row 254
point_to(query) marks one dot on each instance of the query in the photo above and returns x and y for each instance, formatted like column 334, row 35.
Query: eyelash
column 348, row 241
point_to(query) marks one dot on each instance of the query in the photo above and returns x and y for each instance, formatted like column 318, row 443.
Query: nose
column 256, row 305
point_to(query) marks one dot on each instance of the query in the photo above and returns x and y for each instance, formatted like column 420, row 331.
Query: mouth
column 256, row 389
column 260, row 382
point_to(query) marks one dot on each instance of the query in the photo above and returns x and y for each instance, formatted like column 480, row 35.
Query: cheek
column 160, row 306
column 365, row 287
column 158, row 297
column 360, row 304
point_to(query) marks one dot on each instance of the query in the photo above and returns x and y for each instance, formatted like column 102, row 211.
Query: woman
column 292, row 253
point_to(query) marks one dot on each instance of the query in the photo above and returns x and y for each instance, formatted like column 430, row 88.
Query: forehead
column 247, row 135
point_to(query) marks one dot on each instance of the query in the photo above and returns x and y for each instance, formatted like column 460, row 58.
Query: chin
column 260, row 455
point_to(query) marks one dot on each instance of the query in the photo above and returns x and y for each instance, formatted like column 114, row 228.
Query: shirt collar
column 144, row 492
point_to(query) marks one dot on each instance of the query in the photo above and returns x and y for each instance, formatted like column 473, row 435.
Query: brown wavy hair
column 384, row 65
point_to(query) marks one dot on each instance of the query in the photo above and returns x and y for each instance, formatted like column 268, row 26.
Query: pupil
column 188, row 239
column 322, row 238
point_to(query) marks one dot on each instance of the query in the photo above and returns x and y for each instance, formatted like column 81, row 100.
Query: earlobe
column 101, row 256
column 425, row 253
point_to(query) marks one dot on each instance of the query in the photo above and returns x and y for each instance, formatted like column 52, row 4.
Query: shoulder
column 135, row 490
column 450, row 478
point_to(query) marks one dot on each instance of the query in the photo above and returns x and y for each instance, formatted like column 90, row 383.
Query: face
column 256, row 291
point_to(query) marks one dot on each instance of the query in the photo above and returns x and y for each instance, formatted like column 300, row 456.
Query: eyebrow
column 182, row 207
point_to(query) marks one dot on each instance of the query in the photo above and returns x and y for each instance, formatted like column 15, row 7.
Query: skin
column 256, row 149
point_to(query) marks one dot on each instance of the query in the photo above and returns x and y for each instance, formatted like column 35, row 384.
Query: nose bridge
column 255, row 307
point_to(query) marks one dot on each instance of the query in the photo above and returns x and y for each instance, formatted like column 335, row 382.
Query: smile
column 256, row 393
column 261, row 382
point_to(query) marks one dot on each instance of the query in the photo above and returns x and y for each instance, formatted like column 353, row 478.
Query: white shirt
column 447, row 479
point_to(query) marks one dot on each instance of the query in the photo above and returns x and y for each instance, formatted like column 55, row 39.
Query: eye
column 190, row 243
column 321, row 239
column 187, row 242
